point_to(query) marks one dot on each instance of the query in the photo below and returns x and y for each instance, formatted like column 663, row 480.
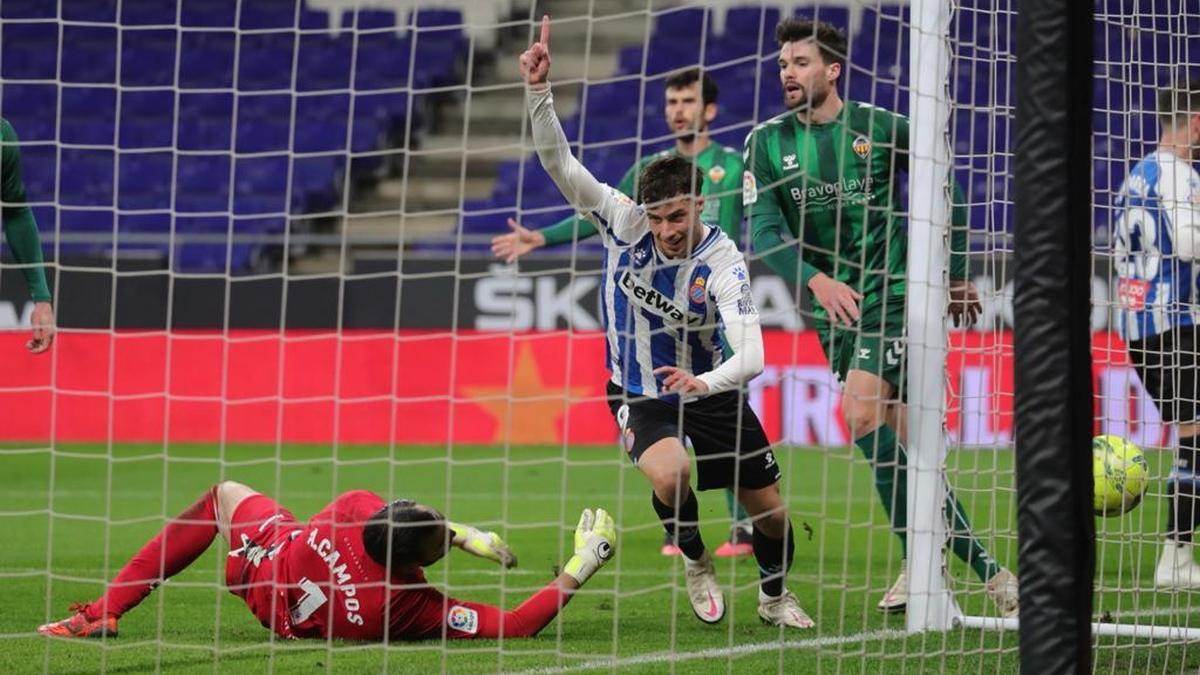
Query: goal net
column 267, row 226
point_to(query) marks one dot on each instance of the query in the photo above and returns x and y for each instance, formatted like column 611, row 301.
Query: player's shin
column 176, row 546
column 682, row 524
column 774, row 556
column 963, row 541
column 1183, row 491
column 888, row 460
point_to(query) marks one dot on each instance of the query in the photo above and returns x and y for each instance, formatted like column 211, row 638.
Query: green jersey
column 722, row 168
column 20, row 229
column 833, row 186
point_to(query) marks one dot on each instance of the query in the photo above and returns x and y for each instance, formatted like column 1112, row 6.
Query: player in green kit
column 691, row 106
column 20, row 229
column 826, row 173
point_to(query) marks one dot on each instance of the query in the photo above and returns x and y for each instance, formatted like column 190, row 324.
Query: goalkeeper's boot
column 669, row 548
column 78, row 625
column 741, row 543
column 896, row 598
column 1176, row 567
column 708, row 601
column 783, row 611
column 1003, row 590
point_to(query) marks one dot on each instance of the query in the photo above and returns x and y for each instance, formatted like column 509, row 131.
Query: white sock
column 764, row 598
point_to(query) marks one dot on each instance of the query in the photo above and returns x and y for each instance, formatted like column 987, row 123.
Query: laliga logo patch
column 696, row 292
column 716, row 173
column 463, row 619
column 862, row 146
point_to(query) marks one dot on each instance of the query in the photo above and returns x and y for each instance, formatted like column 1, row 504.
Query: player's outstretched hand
column 839, row 300
column 965, row 306
column 595, row 543
column 681, row 381
column 487, row 545
column 535, row 61
column 43, row 328
column 517, row 243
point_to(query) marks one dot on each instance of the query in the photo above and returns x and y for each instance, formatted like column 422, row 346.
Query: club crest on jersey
column 716, row 173
column 650, row 299
column 862, row 146
column 463, row 619
column 696, row 292
column 789, row 161
column 749, row 189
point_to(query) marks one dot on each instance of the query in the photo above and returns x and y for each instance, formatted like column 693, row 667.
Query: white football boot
column 708, row 601
column 896, row 598
column 1176, row 567
column 783, row 611
column 1002, row 588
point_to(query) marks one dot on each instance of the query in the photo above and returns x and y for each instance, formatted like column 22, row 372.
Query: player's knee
column 671, row 483
column 772, row 522
column 862, row 416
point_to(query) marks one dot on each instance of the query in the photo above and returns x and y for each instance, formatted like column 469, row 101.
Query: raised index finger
column 545, row 38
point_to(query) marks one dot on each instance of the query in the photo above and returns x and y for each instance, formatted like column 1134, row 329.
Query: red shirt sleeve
column 425, row 613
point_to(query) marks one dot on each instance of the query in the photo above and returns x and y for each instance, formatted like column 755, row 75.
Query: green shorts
column 874, row 345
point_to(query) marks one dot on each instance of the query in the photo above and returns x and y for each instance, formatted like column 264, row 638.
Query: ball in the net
column 1121, row 475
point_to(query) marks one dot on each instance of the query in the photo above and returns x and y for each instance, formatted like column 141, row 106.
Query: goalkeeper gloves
column 595, row 542
column 483, row 544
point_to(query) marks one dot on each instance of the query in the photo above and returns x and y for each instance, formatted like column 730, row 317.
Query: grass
column 71, row 517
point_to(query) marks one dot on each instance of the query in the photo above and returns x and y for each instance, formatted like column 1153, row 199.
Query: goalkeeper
column 20, row 229
column 353, row 572
column 825, row 172
column 690, row 108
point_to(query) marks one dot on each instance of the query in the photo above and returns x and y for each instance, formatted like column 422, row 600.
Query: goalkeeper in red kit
column 353, row 572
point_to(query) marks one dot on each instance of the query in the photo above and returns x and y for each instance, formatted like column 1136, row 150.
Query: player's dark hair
column 685, row 78
column 1178, row 103
column 831, row 40
column 401, row 529
column 667, row 178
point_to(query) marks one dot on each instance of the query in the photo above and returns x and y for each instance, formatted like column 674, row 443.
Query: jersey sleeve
column 729, row 288
column 20, row 227
column 760, row 200
column 426, row 613
column 1179, row 194
column 730, row 193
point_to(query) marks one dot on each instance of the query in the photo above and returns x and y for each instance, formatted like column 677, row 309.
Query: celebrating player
column 22, row 233
column 1157, row 242
column 826, row 172
column 691, row 106
column 353, row 572
column 670, row 283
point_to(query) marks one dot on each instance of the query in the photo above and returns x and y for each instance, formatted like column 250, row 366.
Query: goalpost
column 269, row 237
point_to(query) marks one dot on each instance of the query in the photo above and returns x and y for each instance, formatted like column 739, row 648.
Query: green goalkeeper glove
column 595, row 543
column 487, row 545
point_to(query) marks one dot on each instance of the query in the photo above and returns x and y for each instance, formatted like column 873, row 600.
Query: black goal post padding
column 1052, row 340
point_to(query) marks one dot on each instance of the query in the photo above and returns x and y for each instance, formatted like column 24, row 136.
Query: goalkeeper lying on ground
column 353, row 572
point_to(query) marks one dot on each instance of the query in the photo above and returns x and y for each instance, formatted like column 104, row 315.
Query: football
column 1120, row 475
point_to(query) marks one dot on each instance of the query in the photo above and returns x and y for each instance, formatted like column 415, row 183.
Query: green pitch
column 633, row 616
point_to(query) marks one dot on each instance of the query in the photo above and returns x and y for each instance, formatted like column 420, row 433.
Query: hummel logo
column 864, row 353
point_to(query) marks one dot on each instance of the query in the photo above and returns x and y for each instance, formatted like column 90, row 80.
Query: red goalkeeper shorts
column 258, row 543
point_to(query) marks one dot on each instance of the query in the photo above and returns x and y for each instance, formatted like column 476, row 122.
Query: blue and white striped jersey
column 666, row 312
column 1156, row 246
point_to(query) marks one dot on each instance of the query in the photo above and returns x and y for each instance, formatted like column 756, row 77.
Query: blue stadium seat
column 606, row 99
column 202, row 183
column 147, row 118
column 29, row 51
column 82, row 232
column 148, row 57
column 205, row 121
column 381, row 61
column 366, row 19
column 39, row 167
column 316, row 183
column 97, row 11
column 149, row 12
column 440, row 46
column 32, row 109
column 89, row 54
column 265, row 61
column 206, row 59
column 88, row 115
column 750, row 22
column 264, row 123
column 321, row 123
column 86, row 177
column 144, row 181
column 28, row 9
column 323, row 62
column 208, row 13
column 267, row 14
column 260, row 185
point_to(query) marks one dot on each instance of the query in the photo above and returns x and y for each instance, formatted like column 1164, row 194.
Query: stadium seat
column 208, row 13
column 260, row 185
column 148, row 12
column 362, row 18
column 39, row 165
column 381, row 61
column 29, row 51
column 316, row 183
column 264, row 122
column 321, row 123
column 148, row 57
column 95, row 11
column 206, row 59
column 88, row 115
column 86, row 177
column 147, row 118
column 266, row 14
column 28, row 9
column 144, row 181
column 89, row 54
column 440, row 46
column 202, row 183
column 265, row 60
column 81, row 232
column 323, row 62
column 36, row 116
column 205, row 121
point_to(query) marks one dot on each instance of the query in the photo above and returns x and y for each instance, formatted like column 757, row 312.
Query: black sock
column 684, row 527
column 774, row 558
column 1182, row 489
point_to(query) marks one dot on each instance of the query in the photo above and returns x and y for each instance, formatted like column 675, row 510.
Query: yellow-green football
column 1121, row 475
